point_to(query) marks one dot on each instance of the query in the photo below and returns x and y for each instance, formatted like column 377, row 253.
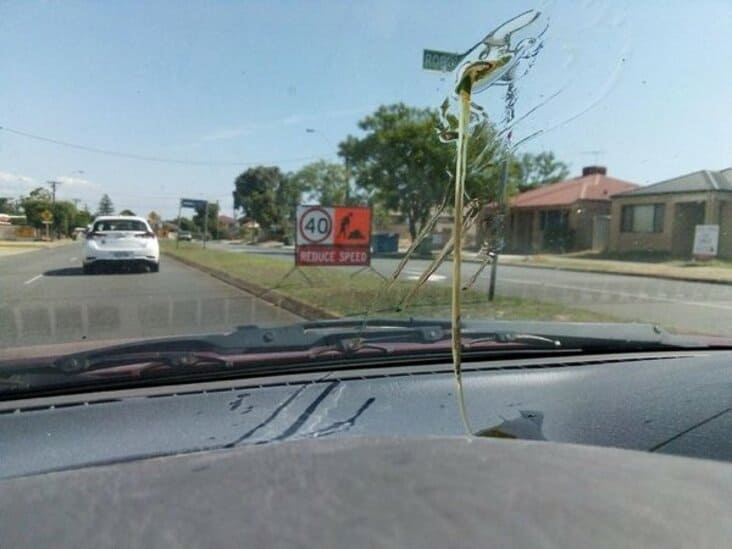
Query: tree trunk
column 412, row 226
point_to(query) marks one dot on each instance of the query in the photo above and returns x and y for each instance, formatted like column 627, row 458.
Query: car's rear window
column 119, row 225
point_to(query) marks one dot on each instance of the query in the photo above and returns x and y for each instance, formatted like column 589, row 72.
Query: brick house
column 661, row 218
column 560, row 217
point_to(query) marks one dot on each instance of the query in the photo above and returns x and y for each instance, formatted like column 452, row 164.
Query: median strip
column 330, row 292
column 287, row 303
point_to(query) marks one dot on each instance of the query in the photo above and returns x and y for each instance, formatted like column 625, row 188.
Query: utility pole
column 218, row 215
column 498, row 230
column 53, row 185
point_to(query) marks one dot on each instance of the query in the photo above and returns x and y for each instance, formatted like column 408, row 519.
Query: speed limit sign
column 333, row 236
column 314, row 225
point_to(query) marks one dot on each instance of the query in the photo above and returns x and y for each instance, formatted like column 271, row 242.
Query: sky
column 204, row 90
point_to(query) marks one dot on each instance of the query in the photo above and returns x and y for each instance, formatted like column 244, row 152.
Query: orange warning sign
column 352, row 226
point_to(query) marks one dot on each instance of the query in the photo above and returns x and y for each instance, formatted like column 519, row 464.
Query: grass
column 335, row 290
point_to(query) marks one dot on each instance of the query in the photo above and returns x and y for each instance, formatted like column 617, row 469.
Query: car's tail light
column 147, row 234
column 92, row 235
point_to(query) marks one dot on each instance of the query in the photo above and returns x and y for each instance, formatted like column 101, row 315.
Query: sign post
column 47, row 219
column 441, row 61
column 195, row 204
column 337, row 236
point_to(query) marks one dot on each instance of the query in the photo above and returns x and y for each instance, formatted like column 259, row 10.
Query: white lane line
column 72, row 260
column 618, row 294
column 415, row 275
column 32, row 280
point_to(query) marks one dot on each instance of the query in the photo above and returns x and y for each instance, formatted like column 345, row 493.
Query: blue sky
column 238, row 83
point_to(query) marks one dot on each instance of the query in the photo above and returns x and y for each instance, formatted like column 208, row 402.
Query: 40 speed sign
column 333, row 236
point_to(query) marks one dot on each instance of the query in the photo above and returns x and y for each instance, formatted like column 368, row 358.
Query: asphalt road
column 45, row 299
column 689, row 307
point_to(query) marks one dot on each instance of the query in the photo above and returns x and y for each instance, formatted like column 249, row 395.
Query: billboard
column 338, row 235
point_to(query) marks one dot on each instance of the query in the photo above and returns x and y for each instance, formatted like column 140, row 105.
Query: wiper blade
column 347, row 337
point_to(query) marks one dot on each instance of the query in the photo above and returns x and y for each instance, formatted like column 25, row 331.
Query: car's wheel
column 154, row 267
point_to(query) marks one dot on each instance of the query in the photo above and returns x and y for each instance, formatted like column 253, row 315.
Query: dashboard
column 671, row 403
column 379, row 458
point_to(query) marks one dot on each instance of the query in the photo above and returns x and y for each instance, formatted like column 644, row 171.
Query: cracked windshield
column 185, row 170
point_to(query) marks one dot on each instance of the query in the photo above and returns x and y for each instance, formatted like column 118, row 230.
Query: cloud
column 17, row 179
column 12, row 184
column 76, row 182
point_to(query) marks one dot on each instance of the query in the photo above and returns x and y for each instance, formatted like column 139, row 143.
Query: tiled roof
column 703, row 180
column 566, row 193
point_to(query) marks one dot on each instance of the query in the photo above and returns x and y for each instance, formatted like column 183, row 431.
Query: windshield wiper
column 310, row 345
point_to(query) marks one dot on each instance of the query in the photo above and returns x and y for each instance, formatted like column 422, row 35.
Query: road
column 690, row 307
column 45, row 298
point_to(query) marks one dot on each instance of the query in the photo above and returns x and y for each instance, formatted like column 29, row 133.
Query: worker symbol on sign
column 345, row 222
column 354, row 226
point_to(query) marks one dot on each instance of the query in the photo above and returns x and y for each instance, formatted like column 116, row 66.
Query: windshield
column 279, row 163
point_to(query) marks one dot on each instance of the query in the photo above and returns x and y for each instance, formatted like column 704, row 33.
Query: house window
column 553, row 219
column 642, row 218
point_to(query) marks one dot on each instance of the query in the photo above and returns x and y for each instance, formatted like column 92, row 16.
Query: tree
column 83, row 218
column 326, row 182
column 200, row 215
column 540, row 169
column 7, row 205
column 267, row 196
column 33, row 205
column 64, row 217
column 105, row 206
column 127, row 212
column 40, row 193
column 154, row 219
column 400, row 161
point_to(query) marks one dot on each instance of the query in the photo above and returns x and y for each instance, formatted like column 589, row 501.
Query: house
column 228, row 223
column 561, row 216
column 662, row 217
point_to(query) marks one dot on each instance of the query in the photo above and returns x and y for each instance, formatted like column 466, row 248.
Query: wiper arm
column 347, row 337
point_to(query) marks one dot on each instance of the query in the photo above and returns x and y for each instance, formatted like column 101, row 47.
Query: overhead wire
column 159, row 159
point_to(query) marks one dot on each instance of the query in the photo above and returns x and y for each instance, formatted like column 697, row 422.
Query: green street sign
column 442, row 61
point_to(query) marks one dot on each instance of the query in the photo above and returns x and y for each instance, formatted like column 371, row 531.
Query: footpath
column 710, row 272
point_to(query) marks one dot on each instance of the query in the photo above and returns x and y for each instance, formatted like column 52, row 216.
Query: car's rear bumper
column 92, row 255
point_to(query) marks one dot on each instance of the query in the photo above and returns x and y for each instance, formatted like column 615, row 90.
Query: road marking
column 32, row 280
column 72, row 260
column 415, row 275
column 618, row 294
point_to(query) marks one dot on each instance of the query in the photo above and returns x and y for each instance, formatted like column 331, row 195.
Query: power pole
column 53, row 185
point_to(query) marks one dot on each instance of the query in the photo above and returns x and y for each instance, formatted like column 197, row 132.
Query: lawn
column 336, row 290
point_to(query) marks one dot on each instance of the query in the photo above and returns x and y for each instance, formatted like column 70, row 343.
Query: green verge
column 337, row 291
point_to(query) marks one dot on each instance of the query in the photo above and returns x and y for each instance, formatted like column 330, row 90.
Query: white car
column 121, row 240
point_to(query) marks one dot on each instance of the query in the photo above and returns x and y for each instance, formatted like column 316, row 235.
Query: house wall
column 525, row 233
column 717, row 210
column 581, row 221
column 725, row 229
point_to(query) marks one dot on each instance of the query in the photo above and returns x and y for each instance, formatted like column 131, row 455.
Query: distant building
column 560, row 217
column 662, row 217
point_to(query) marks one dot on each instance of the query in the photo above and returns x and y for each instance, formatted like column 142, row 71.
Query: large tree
column 64, row 217
column 7, row 205
column 326, row 183
column 106, row 207
column 33, row 205
column 199, row 218
column 401, row 162
column 267, row 196
column 540, row 169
